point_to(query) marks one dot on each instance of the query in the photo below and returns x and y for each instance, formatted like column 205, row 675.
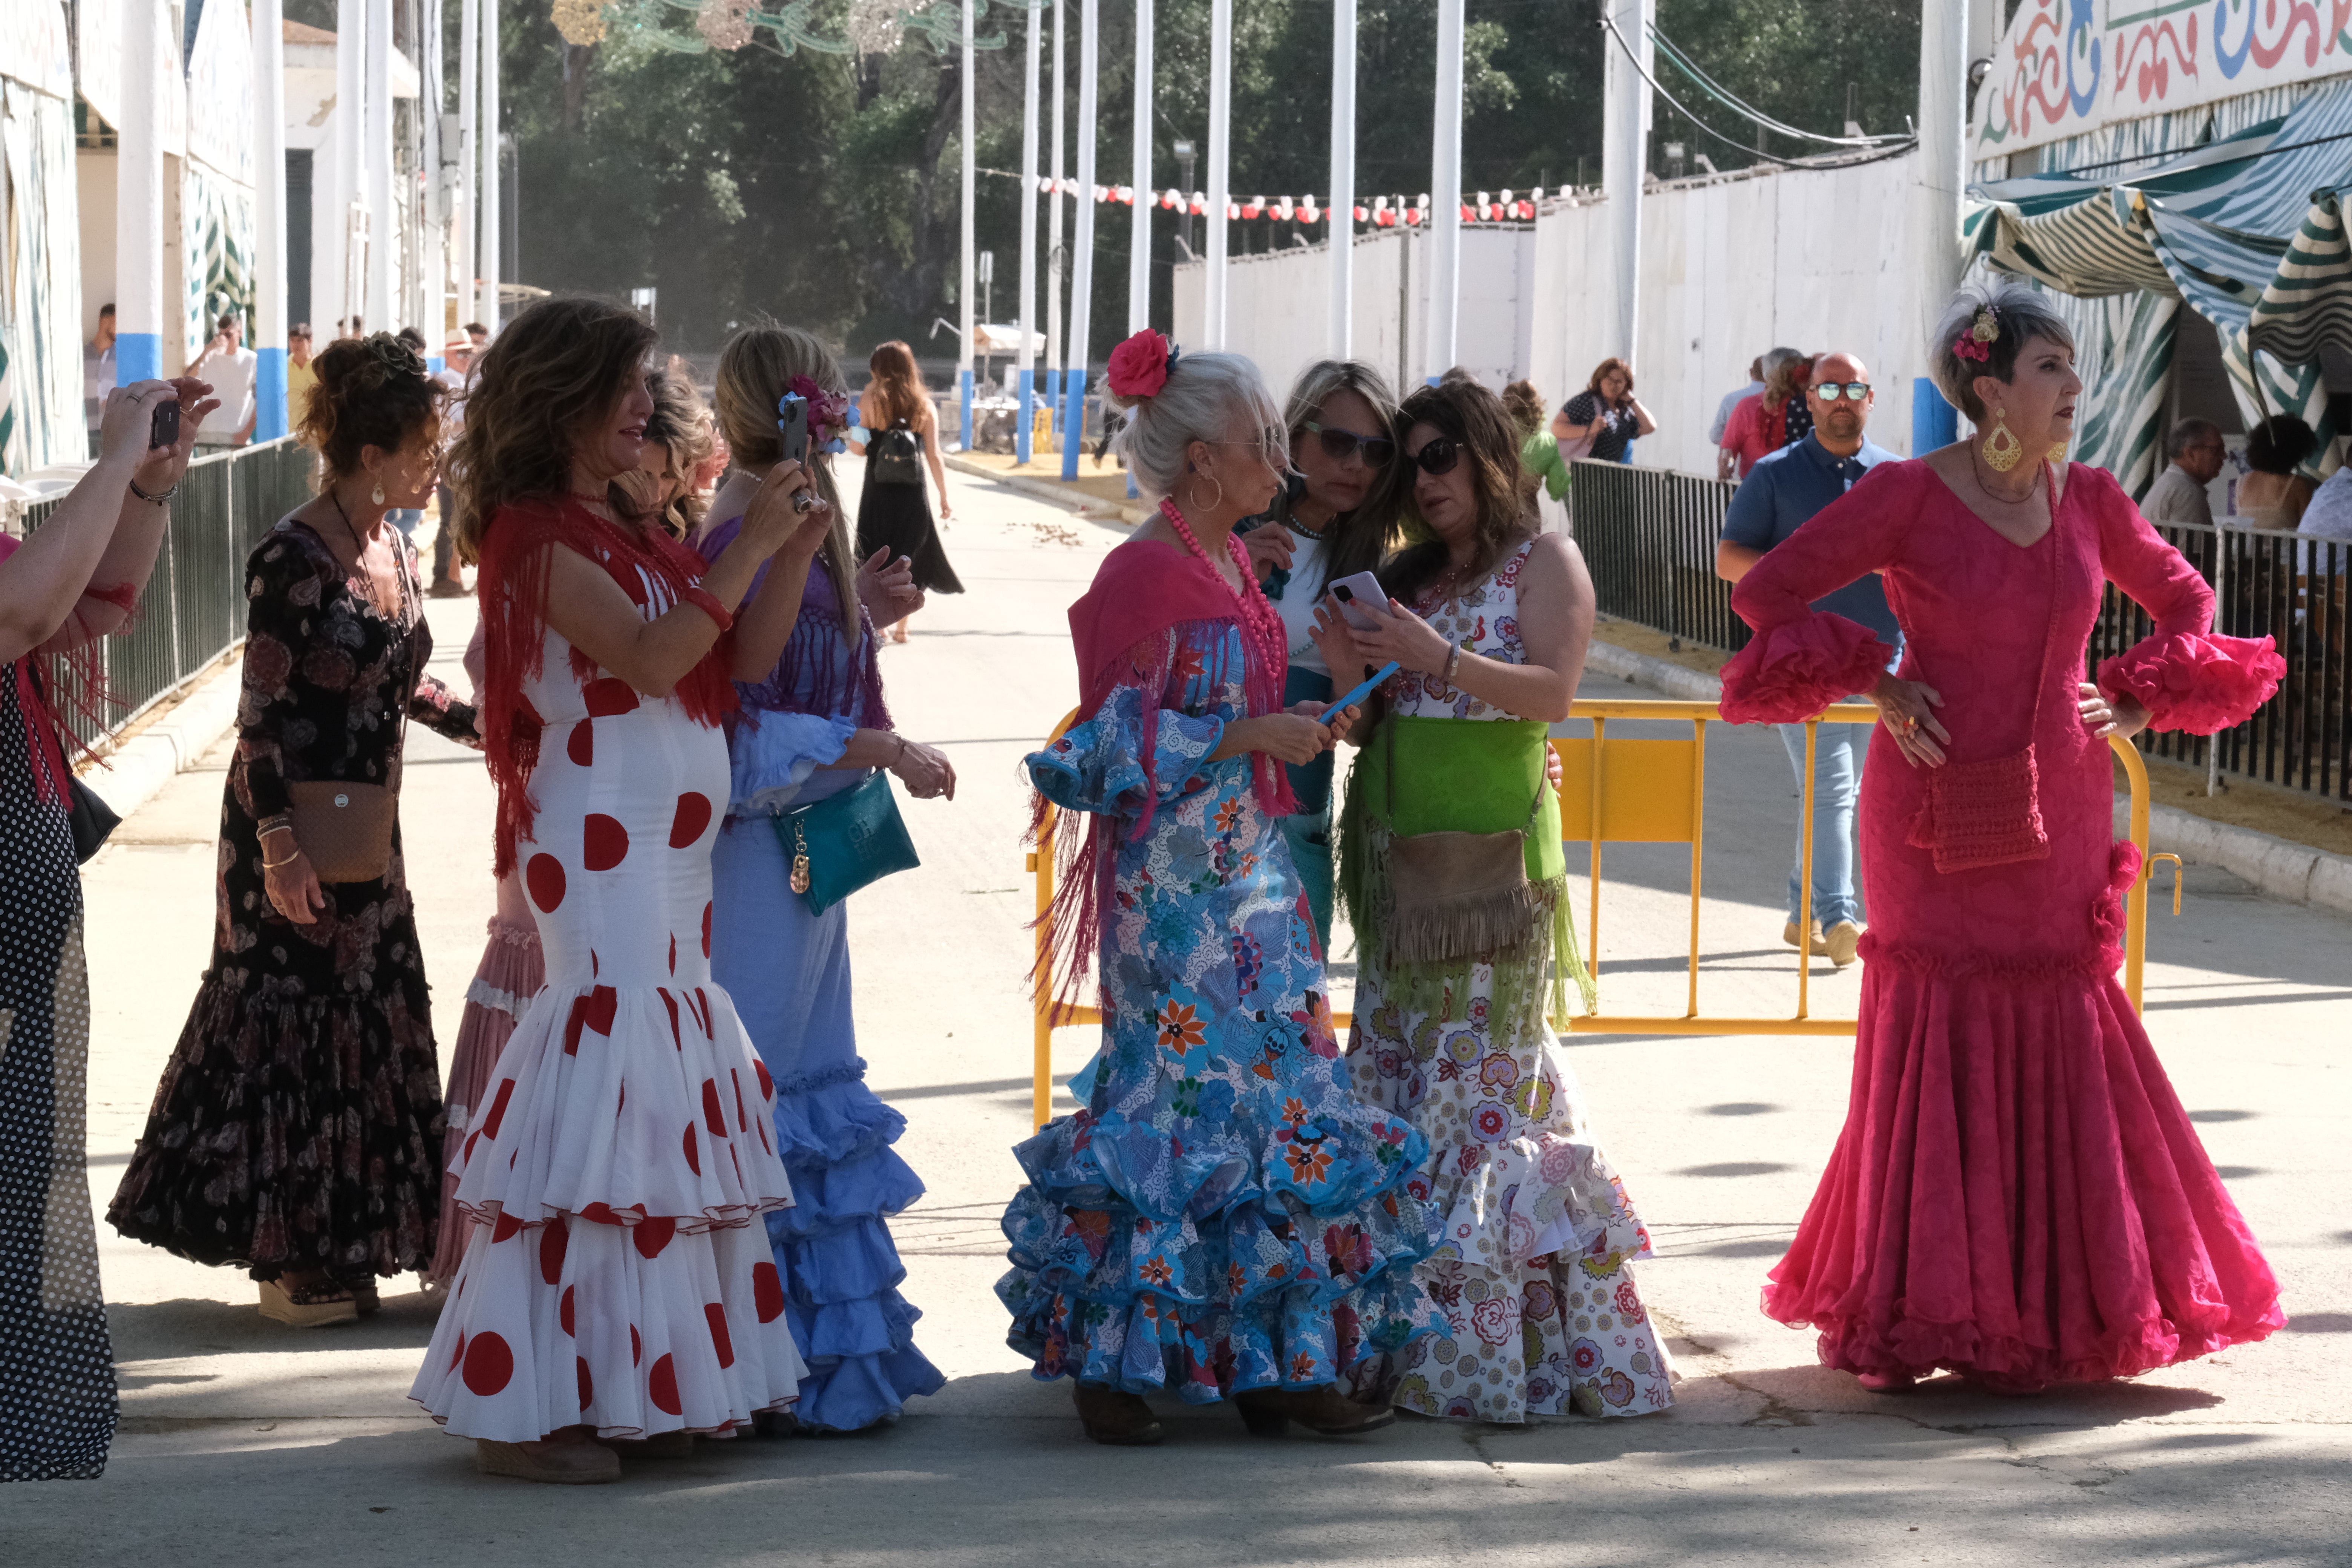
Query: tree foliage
column 824, row 189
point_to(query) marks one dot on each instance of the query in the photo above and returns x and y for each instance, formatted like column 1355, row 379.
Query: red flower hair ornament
column 1139, row 366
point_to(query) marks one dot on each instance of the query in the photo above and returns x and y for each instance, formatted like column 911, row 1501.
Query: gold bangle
column 268, row 865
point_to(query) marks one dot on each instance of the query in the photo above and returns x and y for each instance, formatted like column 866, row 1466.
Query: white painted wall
column 1809, row 259
column 1278, row 303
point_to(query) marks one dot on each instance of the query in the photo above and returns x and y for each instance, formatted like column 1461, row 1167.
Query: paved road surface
column 244, row 1443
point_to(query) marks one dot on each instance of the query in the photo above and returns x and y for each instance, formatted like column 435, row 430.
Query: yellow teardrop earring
column 2001, row 447
column 2058, row 454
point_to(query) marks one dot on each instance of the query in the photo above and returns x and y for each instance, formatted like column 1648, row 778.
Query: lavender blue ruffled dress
column 788, row 972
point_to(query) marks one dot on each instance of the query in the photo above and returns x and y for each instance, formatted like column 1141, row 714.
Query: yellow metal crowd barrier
column 1636, row 791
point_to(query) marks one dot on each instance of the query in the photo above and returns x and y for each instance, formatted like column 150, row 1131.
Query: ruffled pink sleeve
column 1788, row 673
column 2196, row 682
column 1800, row 660
column 2187, row 677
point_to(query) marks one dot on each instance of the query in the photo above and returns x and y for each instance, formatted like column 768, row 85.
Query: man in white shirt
column 2179, row 494
column 233, row 369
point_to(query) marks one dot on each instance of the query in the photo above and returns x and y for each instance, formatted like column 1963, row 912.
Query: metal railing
column 192, row 611
column 1649, row 536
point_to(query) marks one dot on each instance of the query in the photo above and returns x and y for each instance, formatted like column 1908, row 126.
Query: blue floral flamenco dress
column 1224, row 1216
column 788, row 971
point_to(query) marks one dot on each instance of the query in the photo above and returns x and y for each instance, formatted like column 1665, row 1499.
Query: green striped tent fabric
column 41, row 419
column 2254, row 244
column 215, row 254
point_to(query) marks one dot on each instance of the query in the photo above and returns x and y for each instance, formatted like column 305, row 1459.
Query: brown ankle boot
column 1122, row 1420
column 1323, row 1410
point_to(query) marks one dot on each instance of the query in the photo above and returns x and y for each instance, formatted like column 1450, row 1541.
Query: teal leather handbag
column 845, row 842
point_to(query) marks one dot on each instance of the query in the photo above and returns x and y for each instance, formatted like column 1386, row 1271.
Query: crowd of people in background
column 653, row 1193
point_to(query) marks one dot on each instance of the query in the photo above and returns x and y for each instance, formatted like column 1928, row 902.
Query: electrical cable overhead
column 1896, row 151
column 1715, row 89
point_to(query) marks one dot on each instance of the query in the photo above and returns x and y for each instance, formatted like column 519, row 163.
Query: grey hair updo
column 1207, row 398
column 2023, row 312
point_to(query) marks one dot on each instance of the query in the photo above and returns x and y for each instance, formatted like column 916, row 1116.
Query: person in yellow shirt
column 300, row 376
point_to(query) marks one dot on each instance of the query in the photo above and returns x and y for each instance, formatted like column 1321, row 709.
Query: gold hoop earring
column 1214, row 504
column 2001, row 447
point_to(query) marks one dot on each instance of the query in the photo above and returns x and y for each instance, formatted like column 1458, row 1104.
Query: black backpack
column 895, row 456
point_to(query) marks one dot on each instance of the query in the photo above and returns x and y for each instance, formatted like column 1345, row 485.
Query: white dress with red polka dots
column 625, row 1149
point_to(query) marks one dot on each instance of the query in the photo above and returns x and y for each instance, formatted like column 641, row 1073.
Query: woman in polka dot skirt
column 616, row 1289
column 75, row 580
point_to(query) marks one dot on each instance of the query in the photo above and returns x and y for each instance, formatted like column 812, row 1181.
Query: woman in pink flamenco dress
column 2017, row 1194
column 616, row 1289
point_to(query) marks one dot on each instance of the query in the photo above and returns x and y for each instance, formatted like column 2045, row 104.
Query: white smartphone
column 1355, row 591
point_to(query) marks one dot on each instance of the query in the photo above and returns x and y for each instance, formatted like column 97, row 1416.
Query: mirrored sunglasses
column 1853, row 390
column 1376, row 450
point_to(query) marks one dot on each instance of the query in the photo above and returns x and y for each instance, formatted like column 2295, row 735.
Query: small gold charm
column 799, row 859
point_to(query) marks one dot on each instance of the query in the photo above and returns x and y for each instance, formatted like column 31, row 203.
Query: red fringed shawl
column 47, row 741
column 1143, row 590
column 656, row 572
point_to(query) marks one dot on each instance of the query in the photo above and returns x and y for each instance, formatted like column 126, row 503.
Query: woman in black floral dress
column 73, row 582
column 298, row 1128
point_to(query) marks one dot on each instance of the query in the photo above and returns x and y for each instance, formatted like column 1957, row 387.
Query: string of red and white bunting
column 1383, row 212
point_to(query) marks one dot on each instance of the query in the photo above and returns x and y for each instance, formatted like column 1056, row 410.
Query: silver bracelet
column 1452, row 663
column 164, row 499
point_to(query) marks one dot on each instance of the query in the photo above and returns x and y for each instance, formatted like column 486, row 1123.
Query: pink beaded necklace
column 1261, row 630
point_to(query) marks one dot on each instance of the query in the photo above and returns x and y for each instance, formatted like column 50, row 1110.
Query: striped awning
column 2247, row 230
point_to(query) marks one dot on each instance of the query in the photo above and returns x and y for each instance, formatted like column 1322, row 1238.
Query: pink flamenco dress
column 2017, row 1194
column 617, row 1274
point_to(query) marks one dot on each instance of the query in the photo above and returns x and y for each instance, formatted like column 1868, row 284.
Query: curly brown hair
column 1504, row 488
column 682, row 426
column 371, row 392
column 558, row 369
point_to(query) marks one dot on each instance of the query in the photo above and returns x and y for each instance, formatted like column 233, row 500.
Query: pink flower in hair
column 1967, row 347
column 1138, row 367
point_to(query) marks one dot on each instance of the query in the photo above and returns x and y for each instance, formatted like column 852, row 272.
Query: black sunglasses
column 1378, row 450
column 1438, row 456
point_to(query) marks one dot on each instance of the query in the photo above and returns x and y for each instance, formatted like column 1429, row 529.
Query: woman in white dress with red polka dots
column 620, row 1293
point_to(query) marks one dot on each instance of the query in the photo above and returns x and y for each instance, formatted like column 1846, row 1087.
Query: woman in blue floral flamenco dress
column 1223, row 1220
column 812, row 725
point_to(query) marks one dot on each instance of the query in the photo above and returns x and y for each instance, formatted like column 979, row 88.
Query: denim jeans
column 1838, row 754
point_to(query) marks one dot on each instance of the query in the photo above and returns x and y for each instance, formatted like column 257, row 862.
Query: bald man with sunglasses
column 1780, row 495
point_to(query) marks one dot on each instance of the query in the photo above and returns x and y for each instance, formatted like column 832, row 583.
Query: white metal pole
column 349, row 188
column 1221, row 115
column 964, row 90
column 1939, row 175
column 138, row 202
column 1053, row 255
column 1445, row 192
column 1343, row 178
column 470, row 139
column 1027, row 361
column 1138, row 227
column 433, row 280
column 384, row 209
column 269, row 418
column 1625, row 125
column 1082, row 270
column 488, row 216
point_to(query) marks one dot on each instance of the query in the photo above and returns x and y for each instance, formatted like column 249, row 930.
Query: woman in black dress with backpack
column 894, row 515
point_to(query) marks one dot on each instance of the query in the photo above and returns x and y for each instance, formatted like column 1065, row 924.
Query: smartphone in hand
column 163, row 425
column 1354, row 591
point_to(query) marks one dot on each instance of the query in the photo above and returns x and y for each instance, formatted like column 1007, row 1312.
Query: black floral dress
column 298, row 1123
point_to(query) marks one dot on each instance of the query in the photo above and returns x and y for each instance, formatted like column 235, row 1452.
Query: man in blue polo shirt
column 1777, row 497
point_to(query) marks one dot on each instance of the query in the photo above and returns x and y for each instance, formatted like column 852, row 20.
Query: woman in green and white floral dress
column 1534, row 1234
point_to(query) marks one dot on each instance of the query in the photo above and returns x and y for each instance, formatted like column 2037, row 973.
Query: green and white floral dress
column 1533, row 1234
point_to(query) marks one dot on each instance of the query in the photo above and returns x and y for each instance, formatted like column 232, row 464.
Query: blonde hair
column 755, row 370
column 1205, row 396
column 682, row 427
